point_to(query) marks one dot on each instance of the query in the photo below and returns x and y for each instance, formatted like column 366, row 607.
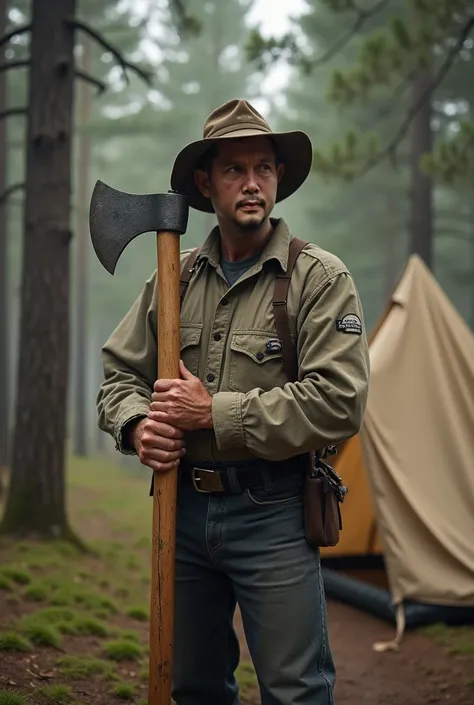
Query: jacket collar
column 276, row 247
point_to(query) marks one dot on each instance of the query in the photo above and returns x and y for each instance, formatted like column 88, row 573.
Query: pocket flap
column 261, row 347
column 190, row 334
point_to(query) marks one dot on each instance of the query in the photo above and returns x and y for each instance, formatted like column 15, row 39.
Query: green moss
column 246, row 678
column 11, row 641
column 123, row 650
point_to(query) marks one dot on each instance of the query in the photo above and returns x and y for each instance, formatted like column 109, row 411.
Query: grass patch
column 8, row 697
column 17, row 575
column 463, row 648
column 129, row 635
column 91, row 626
column 87, row 599
column 36, row 593
column 140, row 614
column 5, row 583
column 42, row 634
column 11, row 641
column 457, row 640
column 83, row 667
column 246, row 678
column 124, row 691
column 57, row 694
column 123, row 650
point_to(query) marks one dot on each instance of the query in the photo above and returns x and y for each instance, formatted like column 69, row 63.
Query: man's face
column 242, row 182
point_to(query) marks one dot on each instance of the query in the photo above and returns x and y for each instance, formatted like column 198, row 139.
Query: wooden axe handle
column 165, row 484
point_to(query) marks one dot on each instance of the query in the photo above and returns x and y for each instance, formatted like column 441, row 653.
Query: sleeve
column 129, row 361
column 327, row 403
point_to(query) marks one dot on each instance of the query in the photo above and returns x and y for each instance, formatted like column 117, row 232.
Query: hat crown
column 233, row 116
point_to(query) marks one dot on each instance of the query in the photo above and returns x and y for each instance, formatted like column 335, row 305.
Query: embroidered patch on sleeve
column 350, row 323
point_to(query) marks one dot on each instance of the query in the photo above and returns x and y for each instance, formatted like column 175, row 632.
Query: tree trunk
column 80, row 407
column 421, row 221
column 36, row 502
column 4, row 357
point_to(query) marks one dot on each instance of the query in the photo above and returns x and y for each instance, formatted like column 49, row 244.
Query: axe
column 115, row 219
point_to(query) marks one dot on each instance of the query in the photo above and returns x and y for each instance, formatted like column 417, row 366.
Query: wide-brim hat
column 237, row 119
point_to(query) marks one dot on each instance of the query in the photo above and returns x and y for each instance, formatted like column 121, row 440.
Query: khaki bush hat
column 237, row 119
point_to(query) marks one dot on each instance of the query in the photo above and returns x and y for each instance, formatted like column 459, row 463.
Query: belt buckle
column 216, row 482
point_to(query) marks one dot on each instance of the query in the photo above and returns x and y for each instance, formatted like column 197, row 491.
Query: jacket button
column 217, row 336
column 211, row 377
column 260, row 356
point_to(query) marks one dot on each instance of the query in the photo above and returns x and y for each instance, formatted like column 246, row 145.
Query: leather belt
column 234, row 478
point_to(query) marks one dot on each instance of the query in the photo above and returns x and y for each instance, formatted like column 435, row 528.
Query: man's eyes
column 235, row 168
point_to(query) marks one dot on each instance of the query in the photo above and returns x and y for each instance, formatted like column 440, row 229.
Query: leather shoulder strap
column 280, row 312
column 186, row 273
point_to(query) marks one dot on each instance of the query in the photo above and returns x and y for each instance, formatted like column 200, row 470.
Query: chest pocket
column 190, row 338
column 256, row 360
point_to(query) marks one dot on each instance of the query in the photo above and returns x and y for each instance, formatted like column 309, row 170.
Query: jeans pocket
column 275, row 497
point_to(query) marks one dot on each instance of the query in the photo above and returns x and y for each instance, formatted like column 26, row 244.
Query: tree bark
column 421, row 221
column 80, row 407
column 36, row 502
column 4, row 348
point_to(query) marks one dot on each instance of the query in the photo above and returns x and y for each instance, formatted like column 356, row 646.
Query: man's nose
column 250, row 182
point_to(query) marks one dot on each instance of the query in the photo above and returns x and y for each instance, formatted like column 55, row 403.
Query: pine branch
column 187, row 23
column 361, row 17
column 100, row 85
column 100, row 39
column 393, row 101
column 391, row 148
column 10, row 191
column 14, row 33
column 13, row 111
column 14, row 65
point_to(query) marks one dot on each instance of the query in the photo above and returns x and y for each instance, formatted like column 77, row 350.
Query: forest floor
column 73, row 626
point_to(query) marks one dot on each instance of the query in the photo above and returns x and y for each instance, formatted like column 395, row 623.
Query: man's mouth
column 251, row 204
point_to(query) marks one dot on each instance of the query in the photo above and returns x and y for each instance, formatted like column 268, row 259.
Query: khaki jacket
column 224, row 332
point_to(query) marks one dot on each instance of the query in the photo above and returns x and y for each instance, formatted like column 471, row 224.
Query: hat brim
column 294, row 149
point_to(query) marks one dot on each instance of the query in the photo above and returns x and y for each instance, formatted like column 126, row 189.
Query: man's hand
column 158, row 445
column 184, row 403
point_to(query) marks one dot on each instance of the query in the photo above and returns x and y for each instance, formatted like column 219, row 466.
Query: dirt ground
column 421, row 672
column 73, row 628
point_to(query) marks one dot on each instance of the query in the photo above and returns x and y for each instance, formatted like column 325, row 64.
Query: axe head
column 116, row 218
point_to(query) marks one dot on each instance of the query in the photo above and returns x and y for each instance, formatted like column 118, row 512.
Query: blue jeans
column 249, row 549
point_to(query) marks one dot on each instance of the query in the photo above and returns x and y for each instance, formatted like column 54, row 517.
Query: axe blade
column 116, row 218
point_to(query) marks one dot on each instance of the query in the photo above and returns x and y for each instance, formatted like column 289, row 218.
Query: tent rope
column 381, row 646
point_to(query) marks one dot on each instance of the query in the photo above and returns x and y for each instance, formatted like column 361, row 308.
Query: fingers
column 164, row 385
column 160, row 429
column 163, row 456
column 162, row 467
column 184, row 372
column 159, row 459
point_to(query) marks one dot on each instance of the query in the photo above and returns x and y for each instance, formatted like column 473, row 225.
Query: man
column 235, row 425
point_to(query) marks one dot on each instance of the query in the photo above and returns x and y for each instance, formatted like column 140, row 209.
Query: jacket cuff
column 121, row 443
column 227, row 420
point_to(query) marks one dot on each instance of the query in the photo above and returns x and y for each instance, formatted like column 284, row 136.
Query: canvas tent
column 408, row 520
